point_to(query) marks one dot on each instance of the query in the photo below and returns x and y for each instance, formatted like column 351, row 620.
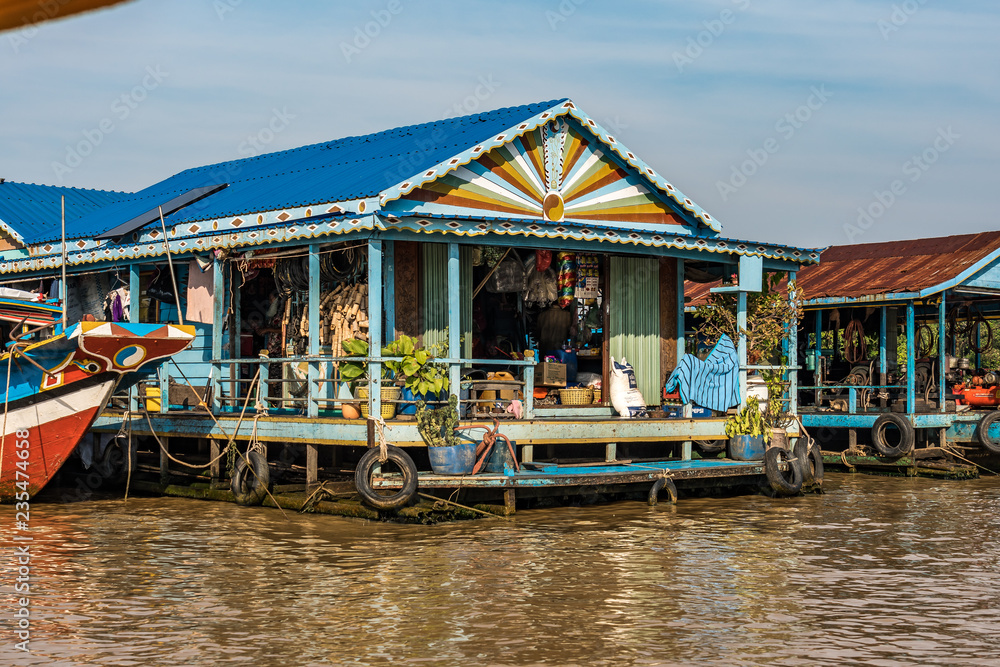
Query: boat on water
column 54, row 388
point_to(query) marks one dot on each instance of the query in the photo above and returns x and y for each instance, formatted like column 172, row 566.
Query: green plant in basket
column 416, row 369
column 437, row 426
column 748, row 421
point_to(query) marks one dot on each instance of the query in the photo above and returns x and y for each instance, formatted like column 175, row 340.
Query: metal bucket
column 457, row 459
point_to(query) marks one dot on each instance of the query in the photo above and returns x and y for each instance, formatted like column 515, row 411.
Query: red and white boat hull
column 47, row 427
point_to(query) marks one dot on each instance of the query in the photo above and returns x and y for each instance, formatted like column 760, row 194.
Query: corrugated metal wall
column 634, row 304
column 434, row 295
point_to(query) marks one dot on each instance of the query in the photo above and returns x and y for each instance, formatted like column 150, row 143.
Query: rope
column 380, row 426
column 855, row 346
column 954, row 453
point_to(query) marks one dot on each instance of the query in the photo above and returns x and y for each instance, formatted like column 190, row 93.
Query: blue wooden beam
column 218, row 322
column 312, row 408
column 741, row 347
column 375, row 326
column 942, row 361
column 911, row 360
column 454, row 315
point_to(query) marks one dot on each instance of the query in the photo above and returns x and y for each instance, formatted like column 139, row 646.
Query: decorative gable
column 555, row 173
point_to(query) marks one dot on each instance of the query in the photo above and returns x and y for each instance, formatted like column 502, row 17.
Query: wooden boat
column 54, row 389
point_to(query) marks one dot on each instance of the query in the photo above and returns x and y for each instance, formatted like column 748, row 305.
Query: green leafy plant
column 415, row 369
column 748, row 421
column 770, row 314
column 437, row 427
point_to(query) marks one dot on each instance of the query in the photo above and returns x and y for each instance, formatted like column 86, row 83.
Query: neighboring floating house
column 395, row 233
column 865, row 372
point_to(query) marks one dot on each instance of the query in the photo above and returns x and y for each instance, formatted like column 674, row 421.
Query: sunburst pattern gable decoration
column 553, row 172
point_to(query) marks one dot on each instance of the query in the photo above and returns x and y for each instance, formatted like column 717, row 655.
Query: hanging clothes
column 199, row 295
column 713, row 383
column 117, row 303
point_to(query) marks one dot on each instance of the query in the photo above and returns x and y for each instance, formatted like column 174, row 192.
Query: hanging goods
column 567, row 278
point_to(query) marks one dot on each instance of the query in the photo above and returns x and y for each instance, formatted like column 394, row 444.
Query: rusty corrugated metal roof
column 21, row 14
column 871, row 269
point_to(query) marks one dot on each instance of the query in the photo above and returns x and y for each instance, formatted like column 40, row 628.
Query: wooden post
column 454, row 316
column 509, row 501
column 610, row 451
column 164, row 461
column 312, row 464
column 312, row 391
column 218, row 315
column 374, row 332
column 216, row 468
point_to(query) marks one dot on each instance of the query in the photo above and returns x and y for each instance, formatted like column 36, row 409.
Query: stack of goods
column 587, row 274
column 343, row 315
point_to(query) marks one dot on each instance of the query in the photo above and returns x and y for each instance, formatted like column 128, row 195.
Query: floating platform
column 925, row 462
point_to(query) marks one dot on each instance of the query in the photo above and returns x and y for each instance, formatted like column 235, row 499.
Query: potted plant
column 447, row 454
column 422, row 378
column 747, row 433
column 353, row 371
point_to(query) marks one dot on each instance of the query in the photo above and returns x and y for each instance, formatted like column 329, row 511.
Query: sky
column 809, row 123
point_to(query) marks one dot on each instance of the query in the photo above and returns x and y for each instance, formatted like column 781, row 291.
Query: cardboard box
column 550, row 374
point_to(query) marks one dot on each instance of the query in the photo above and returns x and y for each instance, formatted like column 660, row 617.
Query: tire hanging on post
column 810, row 460
column 407, row 470
column 786, row 482
column 906, row 435
column 250, row 482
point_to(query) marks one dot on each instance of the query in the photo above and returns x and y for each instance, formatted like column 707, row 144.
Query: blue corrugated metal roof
column 340, row 170
column 29, row 211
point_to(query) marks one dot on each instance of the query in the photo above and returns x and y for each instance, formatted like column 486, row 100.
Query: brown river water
column 877, row 571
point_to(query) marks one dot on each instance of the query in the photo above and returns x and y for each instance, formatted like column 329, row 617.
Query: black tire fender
column 906, row 435
column 408, row 471
column 710, row 447
column 810, row 459
column 983, row 432
column 659, row 485
column 785, row 483
column 250, row 481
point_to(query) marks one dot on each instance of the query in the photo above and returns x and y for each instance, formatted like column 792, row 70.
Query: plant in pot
column 422, row 378
column 747, row 433
column 447, row 454
column 353, row 372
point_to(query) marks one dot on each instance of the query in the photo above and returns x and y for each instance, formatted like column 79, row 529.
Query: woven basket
column 576, row 396
column 597, row 396
column 388, row 394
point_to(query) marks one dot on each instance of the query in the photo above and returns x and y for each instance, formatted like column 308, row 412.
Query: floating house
column 525, row 228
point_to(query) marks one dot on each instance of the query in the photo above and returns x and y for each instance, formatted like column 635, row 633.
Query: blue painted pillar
column 741, row 347
column 389, row 289
column 375, row 326
column 883, row 333
column 818, row 330
column 911, row 363
column 133, row 292
column 454, row 316
column 792, row 352
column 312, row 407
column 218, row 323
column 942, row 361
column 680, row 310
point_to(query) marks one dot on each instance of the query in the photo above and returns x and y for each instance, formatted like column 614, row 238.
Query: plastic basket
column 388, row 409
column 576, row 396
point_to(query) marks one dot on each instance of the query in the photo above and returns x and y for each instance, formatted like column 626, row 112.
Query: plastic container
column 500, row 461
column 746, row 447
column 568, row 357
column 457, row 459
column 409, row 407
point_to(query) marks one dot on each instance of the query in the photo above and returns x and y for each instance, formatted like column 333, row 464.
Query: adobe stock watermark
column 121, row 108
column 899, row 16
column 370, row 31
column 697, row 43
column 223, row 7
column 471, row 103
column 913, row 169
column 47, row 9
column 22, row 540
column 564, row 10
column 786, row 127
